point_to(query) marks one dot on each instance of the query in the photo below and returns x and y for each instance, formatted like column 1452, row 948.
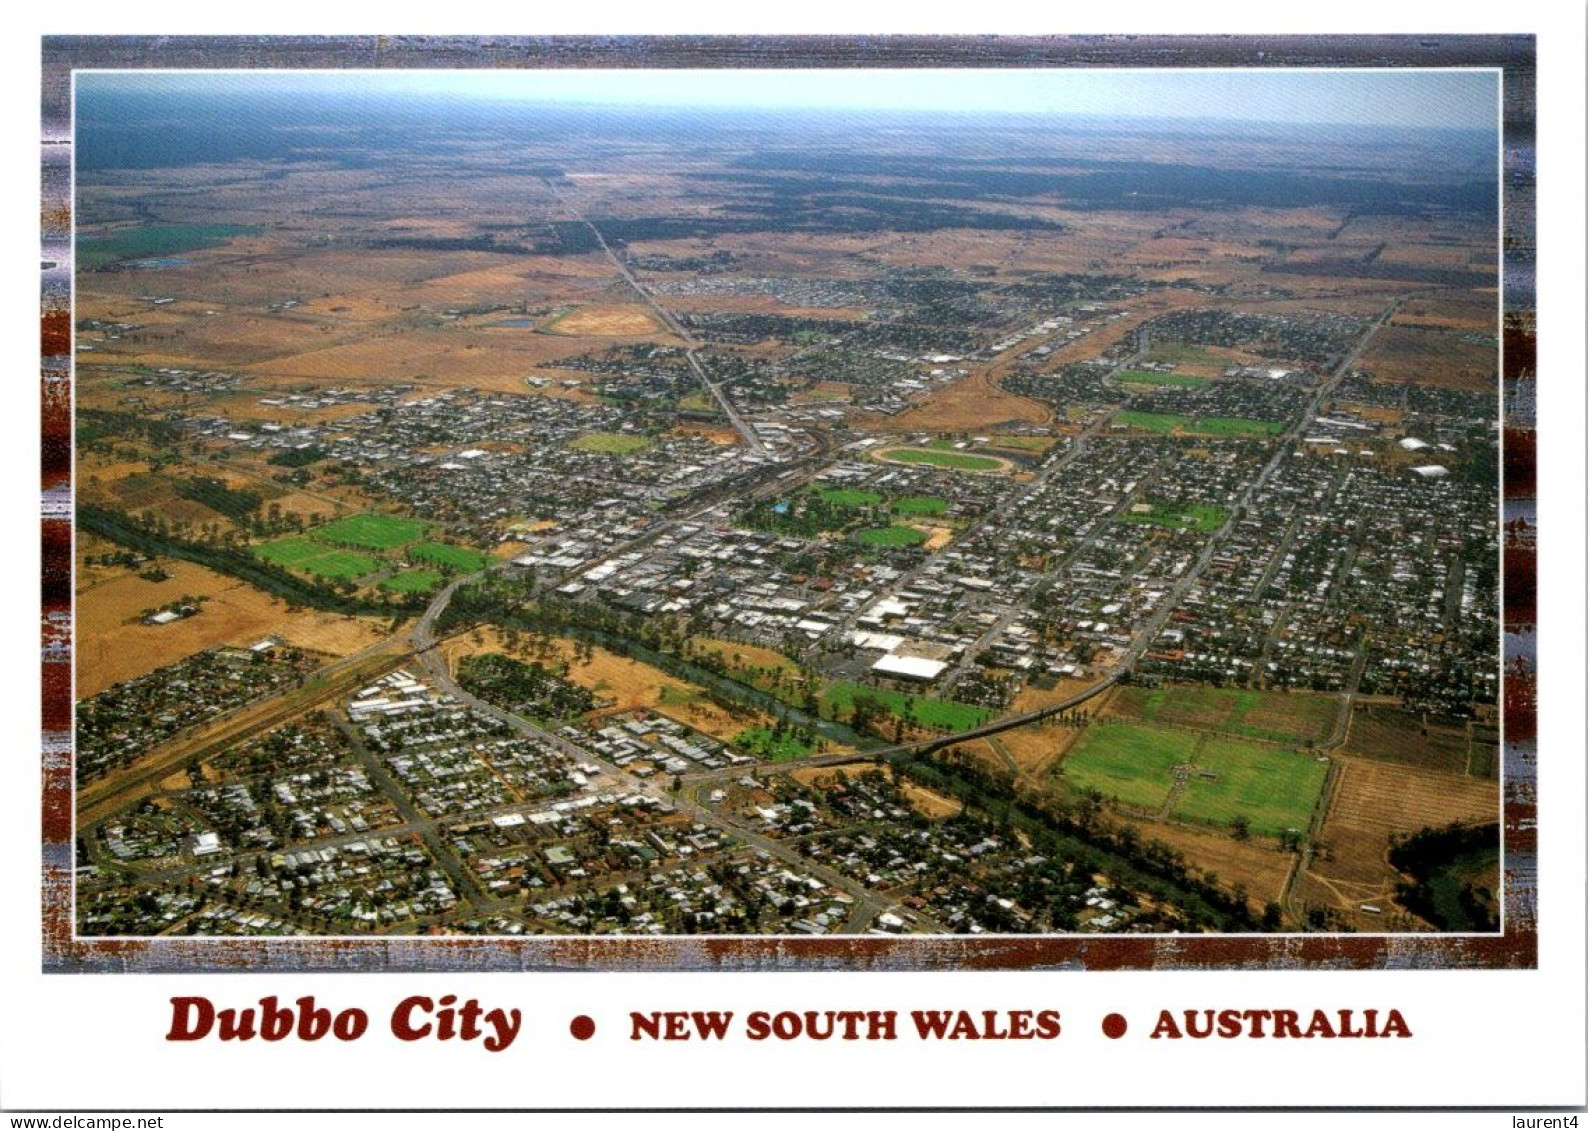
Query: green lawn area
column 413, row 581
column 610, row 443
column 372, row 531
column 957, row 461
column 890, row 536
column 1166, row 422
column 919, row 505
column 456, row 557
column 1273, row 789
column 1277, row 716
column 153, row 241
column 762, row 742
column 942, row 714
column 1197, row 516
column 1171, row 380
column 305, row 555
column 1134, row 765
column 849, row 497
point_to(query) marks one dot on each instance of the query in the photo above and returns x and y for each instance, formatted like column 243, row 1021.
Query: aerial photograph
column 792, row 503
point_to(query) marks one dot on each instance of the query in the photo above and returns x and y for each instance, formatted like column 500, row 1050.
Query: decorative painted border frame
column 1516, row 947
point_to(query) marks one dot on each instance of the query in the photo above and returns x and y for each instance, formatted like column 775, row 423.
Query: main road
column 690, row 344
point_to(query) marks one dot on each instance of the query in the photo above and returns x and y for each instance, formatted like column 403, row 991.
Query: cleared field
column 838, row 701
column 1165, row 422
column 1426, row 356
column 1168, row 380
column 413, row 581
column 761, row 668
column 1274, row 790
column 1133, row 765
column 1196, row 516
column 113, row 644
column 610, row 443
column 1472, row 310
column 929, row 803
column 1389, row 734
column 956, row 461
column 606, row 322
column 1277, row 716
column 976, row 402
column 919, row 505
column 1374, row 801
column 1256, row 866
column 372, row 531
column 890, row 536
column 454, row 557
column 316, row 559
column 624, row 683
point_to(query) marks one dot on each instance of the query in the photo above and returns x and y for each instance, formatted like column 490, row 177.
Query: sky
column 1417, row 98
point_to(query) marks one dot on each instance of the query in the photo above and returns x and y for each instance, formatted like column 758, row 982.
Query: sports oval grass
column 890, row 536
column 956, row 461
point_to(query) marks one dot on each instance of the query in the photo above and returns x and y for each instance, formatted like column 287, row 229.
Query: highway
column 690, row 344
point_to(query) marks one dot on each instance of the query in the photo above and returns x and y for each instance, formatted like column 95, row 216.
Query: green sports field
column 372, row 531
column 1273, row 788
column 1167, row 422
column 1195, row 516
column 890, row 536
column 454, row 557
column 413, row 581
column 1131, row 764
column 957, row 461
column 849, row 497
column 305, row 555
column 919, row 505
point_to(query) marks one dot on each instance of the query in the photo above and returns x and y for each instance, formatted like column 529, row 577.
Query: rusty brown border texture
column 1517, row 947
